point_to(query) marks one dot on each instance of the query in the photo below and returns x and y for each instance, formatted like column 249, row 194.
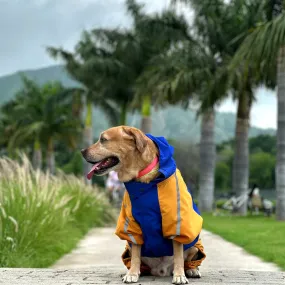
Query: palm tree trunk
column 87, row 138
column 76, row 104
column 207, row 162
column 146, row 114
column 280, row 165
column 123, row 115
column 50, row 156
column 37, row 155
column 241, row 161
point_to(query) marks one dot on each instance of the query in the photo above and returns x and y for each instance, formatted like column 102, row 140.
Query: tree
column 57, row 123
column 263, row 49
column 108, row 61
column 25, row 106
column 216, row 27
column 263, row 143
column 222, row 26
column 187, row 72
column 153, row 35
column 8, row 125
column 88, row 65
column 187, row 158
column 262, row 170
column 40, row 122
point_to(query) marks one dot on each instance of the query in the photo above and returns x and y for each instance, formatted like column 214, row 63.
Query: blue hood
column 167, row 165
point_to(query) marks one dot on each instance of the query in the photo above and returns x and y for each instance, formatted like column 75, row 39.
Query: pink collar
column 149, row 168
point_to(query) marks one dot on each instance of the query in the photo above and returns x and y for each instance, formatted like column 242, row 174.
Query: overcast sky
column 28, row 26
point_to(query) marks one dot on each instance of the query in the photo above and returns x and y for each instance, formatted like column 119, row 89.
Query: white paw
column 193, row 273
column 131, row 278
column 179, row 279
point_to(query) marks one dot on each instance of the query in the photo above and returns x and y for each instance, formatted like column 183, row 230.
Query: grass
column 42, row 217
column 261, row 236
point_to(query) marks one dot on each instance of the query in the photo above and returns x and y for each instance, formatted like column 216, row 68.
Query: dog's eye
column 102, row 140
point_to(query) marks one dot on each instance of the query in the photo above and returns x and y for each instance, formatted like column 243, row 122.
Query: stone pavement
column 102, row 247
column 96, row 260
column 111, row 275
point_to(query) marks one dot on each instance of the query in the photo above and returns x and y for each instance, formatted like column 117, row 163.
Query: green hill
column 172, row 122
column 10, row 84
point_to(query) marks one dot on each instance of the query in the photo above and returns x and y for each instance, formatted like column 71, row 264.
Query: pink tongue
column 91, row 172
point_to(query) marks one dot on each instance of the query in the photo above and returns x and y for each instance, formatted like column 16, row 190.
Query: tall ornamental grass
column 42, row 217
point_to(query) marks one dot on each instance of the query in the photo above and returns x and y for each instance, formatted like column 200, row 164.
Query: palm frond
column 135, row 9
column 260, row 49
column 24, row 133
column 110, row 110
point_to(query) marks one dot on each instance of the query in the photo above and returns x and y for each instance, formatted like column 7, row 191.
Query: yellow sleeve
column 127, row 228
column 179, row 220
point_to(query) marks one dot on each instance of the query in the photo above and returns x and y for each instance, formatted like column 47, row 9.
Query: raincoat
column 153, row 214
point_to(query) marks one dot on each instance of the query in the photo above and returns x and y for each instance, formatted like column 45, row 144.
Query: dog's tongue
column 91, row 172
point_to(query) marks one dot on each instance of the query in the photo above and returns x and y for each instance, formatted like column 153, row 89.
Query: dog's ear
column 138, row 137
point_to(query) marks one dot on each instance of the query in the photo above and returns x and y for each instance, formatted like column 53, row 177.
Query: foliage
column 262, row 170
column 263, row 143
column 42, row 216
column 252, row 234
column 220, row 27
column 187, row 159
column 222, row 176
column 262, row 150
column 261, row 47
column 36, row 117
column 160, row 54
column 108, row 62
column 171, row 121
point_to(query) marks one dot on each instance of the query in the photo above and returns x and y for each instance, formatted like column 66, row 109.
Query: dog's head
column 122, row 149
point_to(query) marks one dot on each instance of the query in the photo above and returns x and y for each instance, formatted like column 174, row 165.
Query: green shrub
column 262, row 170
column 220, row 203
column 43, row 217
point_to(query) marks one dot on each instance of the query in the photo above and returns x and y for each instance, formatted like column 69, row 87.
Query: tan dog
column 128, row 151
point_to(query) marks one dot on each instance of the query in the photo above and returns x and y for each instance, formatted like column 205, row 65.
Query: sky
column 28, row 26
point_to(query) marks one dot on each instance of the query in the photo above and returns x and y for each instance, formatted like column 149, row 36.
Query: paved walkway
column 96, row 260
column 101, row 247
column 111, row 275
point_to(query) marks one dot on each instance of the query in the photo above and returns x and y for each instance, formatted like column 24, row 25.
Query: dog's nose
column 83, row 151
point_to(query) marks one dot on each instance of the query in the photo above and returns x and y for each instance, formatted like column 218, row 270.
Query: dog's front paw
column 193, row 273
column 180, row 279
column 131, row 277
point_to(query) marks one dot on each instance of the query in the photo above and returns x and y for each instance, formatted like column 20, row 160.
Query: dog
column 158, row 217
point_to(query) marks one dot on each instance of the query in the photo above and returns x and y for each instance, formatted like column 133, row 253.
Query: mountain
column 176, row 123
column 10, row 84
column 172, row 122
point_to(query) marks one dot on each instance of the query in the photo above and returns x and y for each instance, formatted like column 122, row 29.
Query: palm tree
column 207, row 161
column 8, row 125
column 108, row 62
column 25, row 105
column 57, row 123
column 189, row 72
column 41, row 122
column 263, row 50
column 222, row 27
column 84, row 66
column 153, row 35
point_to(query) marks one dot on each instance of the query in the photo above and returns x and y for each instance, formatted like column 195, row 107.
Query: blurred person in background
column 114, row 187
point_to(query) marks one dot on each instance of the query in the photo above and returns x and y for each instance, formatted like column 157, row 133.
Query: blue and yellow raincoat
column 153, row 214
